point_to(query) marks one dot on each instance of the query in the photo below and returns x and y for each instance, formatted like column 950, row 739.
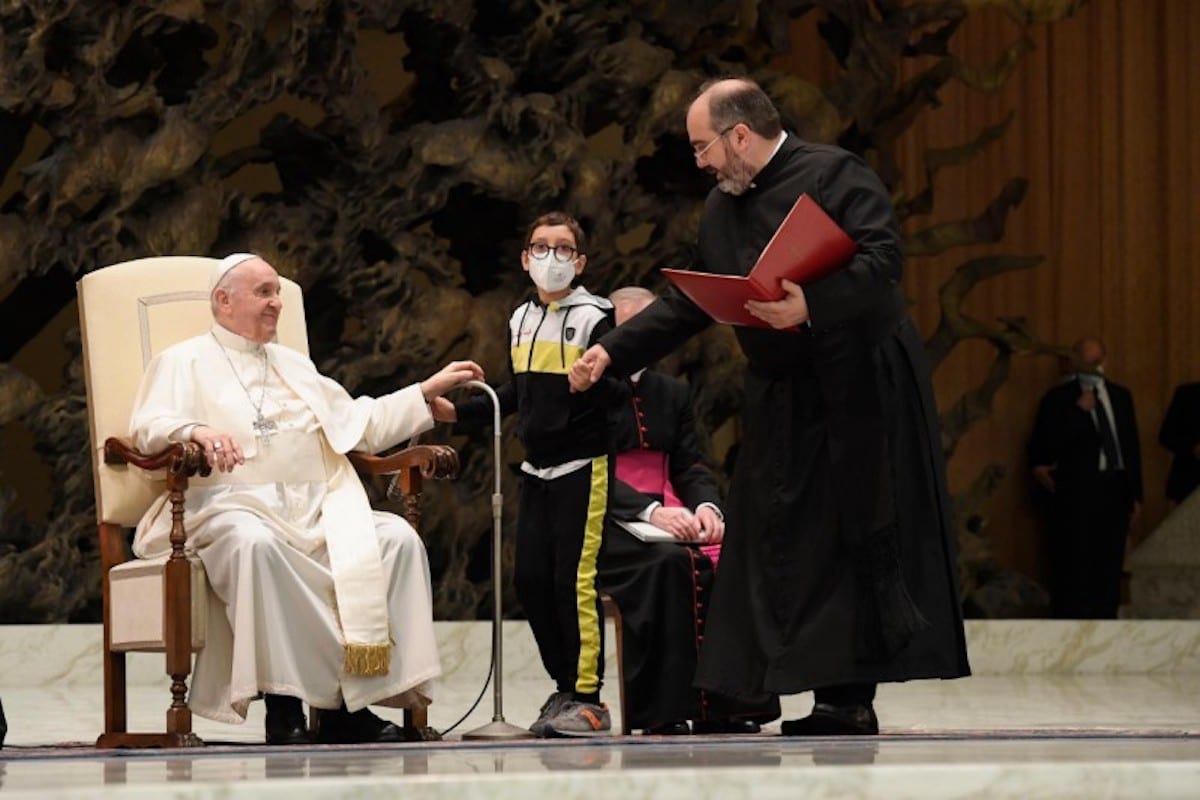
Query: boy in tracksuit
column 567, row 472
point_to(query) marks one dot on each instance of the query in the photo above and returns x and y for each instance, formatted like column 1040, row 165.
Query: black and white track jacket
column 555, row 424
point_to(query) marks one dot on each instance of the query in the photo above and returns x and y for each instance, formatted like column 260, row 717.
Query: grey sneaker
column 580, row 719
column 554, row 704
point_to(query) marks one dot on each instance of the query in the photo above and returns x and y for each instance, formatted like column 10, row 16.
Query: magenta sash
column 646, row 471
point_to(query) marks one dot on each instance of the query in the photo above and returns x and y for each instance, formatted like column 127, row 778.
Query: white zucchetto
column 223, row 266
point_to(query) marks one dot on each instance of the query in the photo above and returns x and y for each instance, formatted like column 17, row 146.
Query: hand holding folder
column 806, row 247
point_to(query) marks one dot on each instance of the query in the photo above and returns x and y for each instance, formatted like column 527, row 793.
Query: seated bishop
column 663, row 588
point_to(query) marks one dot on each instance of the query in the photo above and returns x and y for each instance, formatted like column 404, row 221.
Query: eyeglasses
column 699, row 154
column 562, row 252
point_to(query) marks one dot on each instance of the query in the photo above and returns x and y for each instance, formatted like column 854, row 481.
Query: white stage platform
column 1055, row 709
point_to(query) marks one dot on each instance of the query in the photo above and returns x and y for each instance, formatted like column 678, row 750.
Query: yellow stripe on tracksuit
column 552, row 357
column 587, row 678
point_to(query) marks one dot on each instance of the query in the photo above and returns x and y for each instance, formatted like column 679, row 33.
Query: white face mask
column 550, row 274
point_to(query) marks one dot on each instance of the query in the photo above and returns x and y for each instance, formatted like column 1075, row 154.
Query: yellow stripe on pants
column 587, row 677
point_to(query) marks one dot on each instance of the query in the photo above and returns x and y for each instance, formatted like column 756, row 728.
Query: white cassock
column 299, row 565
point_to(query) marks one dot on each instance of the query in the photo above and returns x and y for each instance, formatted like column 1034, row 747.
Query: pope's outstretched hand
column 448, row 377
column 453, row 374
column 589, row 368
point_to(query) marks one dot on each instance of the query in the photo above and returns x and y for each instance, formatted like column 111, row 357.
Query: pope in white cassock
column 321, row 599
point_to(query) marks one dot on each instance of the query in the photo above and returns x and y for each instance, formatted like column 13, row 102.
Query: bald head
column 629, row 300
column 728, row 101
column 1089, row 352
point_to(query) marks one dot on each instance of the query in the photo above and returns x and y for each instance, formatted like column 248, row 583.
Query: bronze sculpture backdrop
column 411, row 143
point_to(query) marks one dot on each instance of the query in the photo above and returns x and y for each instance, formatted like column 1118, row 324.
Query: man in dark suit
column 1085, row 457
column 1180, row 434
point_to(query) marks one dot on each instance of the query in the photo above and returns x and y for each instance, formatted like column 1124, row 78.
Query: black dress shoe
column 285, row 720
column 362, row 727
column 708, row 726
column 829, row 720
column 680, row 728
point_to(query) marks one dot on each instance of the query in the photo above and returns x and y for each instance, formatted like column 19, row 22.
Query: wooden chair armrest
column 432, row 460
column 181, row 458
column 409, row 468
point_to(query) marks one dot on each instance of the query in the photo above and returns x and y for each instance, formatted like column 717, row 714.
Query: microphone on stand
column 498, row 729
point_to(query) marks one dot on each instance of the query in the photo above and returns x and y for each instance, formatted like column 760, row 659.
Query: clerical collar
column 233, row 341
column 778, row 145
column 774, row 152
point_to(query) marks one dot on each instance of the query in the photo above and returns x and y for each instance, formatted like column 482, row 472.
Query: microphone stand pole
column 497, row 729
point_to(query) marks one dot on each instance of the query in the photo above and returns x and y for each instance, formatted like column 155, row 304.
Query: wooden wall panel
column 1107, row 131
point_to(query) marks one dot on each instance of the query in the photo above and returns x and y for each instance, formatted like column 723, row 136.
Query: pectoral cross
column 265, row 428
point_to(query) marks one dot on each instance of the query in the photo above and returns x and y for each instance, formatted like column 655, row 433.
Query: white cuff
column 183, row 433
column 716, row 510
column 644, row 514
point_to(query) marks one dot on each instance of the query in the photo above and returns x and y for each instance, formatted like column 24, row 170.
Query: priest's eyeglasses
column 699, row 154
column 562, row 252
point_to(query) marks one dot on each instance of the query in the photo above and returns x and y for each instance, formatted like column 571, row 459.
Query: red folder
column 806, row 247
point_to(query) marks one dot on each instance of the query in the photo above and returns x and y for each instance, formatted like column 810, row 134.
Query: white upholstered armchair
column 128, row 313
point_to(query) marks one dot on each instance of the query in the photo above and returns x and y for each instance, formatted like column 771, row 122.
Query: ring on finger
column 216, row 445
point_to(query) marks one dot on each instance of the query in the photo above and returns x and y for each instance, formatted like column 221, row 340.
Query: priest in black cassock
column 838, row 570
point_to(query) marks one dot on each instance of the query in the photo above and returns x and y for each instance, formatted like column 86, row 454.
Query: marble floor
column 1054, row 711
column 767, row 767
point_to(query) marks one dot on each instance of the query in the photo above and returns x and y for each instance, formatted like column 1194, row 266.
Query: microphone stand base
column 498, row 730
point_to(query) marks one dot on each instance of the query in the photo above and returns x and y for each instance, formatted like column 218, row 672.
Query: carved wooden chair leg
column 416, row 726
column 177, row 617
